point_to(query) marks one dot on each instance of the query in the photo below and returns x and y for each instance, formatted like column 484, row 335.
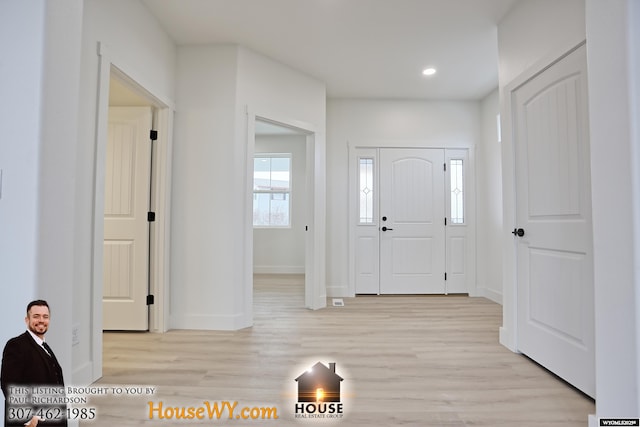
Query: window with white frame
column 457, row 191
column 272, row 190
column 365, row 184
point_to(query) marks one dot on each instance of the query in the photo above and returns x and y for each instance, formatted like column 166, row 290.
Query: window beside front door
column 366, row 188
column 456, row 178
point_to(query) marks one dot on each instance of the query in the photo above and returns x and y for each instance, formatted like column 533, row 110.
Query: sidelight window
column 457, row 191
column 365, row 187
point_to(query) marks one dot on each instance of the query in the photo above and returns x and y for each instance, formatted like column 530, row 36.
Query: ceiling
column 359, row 48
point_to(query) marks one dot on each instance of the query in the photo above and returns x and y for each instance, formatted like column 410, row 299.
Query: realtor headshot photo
column 30, row 370
column 436, row 200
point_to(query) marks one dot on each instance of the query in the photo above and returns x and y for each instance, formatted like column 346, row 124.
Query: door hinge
column 150, row 299
column 151, row 216
column 306, row 228
column 153, row 135
column 445, row 167
column 445, row 220
column 445, row 276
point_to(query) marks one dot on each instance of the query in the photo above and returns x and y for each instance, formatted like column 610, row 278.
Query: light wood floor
column 405, row 360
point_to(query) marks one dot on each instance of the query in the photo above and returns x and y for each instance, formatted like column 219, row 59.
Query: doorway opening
column 117, row 89
column 279, row 215
column 127, row 226
column 303, row 232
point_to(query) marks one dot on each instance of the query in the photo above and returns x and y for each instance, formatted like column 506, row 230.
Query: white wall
column 22, row 46
column 136, row 43
column 40, row 42
column 537, row 32
column 204, row 228
column 531, row 30
column 57, row 198
column 489, row 202
column 531, row 33
column 282, row 250
column 392, row 123
column 275, row 91
column 47, row 155
column 212, row 205
column 613, row 58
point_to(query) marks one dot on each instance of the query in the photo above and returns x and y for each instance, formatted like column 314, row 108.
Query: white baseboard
column 82, row 375
column 337, row 291
column 278, row 269
column 490, row 294
column 506, row 339
column 209, row 322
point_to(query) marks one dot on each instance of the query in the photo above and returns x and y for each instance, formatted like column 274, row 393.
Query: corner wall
column 212, row 245
column 38, row 133
column 137, row 44
column 489, row 202
column 204, row 215
column 22, row 47
column 613, row 59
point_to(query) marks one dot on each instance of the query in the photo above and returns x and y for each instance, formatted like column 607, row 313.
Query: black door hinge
column 445, row 167
column 153, row 135
column 150, row 299
column 151, row 216
column 445, row 220
column 445, row 276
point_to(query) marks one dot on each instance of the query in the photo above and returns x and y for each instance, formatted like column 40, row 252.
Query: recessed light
column 429, row 71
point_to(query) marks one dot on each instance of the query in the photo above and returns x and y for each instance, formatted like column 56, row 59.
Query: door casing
column 315, row 287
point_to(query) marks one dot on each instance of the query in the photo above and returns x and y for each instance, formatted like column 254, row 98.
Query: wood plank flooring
column 405, row 360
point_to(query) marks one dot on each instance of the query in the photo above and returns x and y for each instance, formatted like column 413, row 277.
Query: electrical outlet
column 75, row 335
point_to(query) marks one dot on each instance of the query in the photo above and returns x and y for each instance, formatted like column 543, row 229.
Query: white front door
column 126, row 231
column 412, row 215
column 555, row 292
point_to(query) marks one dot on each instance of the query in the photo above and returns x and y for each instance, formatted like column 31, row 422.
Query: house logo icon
column 319, row 392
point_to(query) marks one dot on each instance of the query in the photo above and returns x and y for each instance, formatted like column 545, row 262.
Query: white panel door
column 412, row 234
column 126, row 231
column 553, row 209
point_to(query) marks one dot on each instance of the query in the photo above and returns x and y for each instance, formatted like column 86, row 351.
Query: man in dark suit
column 31, row 376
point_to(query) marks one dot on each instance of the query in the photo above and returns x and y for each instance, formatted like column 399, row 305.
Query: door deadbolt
column 518, row 232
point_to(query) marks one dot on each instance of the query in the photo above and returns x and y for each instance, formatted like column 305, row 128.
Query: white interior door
column 412, row 212
column 126, row 231
column 554, row 255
